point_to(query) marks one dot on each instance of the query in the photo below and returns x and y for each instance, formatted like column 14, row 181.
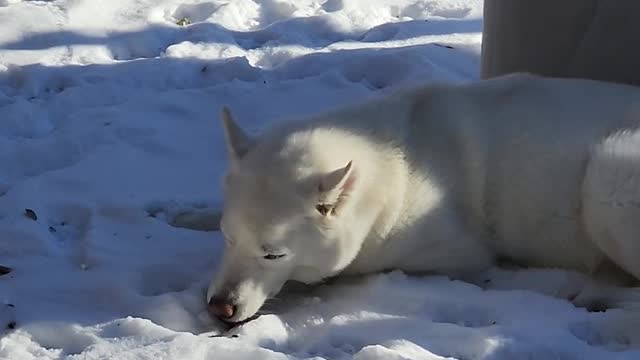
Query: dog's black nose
column 221, row 308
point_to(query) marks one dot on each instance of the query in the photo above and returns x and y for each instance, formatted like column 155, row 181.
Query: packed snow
column 109, row 130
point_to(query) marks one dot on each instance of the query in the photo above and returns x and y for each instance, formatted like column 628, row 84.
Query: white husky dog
column 439, row 179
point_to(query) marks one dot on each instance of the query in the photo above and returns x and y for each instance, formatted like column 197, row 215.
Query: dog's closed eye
column 324, row 209
column 274, row 256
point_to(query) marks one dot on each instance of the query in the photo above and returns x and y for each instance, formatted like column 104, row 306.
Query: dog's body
column 436, row 179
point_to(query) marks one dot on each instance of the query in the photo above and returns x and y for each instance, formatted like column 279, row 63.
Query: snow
column 109, row 130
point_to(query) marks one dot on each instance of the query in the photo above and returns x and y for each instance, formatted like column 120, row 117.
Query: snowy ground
column 109, row 127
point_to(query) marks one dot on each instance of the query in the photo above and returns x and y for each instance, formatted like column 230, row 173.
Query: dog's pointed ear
column 238, row 142
column 334, row 187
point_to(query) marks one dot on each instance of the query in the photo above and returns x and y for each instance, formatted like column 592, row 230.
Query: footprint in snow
column 613, row 330
column 200, row 217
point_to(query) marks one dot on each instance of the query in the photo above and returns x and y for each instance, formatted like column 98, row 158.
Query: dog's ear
column 238, row 142
column 334, row 187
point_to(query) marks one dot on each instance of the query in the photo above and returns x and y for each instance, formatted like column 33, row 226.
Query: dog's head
column 282, row 220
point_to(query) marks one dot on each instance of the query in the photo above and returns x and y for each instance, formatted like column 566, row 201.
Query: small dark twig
column 30, row 214
column 444, row 46
column 4, row 270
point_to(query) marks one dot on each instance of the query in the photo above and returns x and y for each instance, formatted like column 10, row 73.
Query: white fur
column 442, row 179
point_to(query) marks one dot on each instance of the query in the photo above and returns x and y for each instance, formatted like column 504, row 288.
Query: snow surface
column 109, row 129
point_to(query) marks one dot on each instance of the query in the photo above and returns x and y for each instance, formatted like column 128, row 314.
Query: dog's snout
column 221, row 308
